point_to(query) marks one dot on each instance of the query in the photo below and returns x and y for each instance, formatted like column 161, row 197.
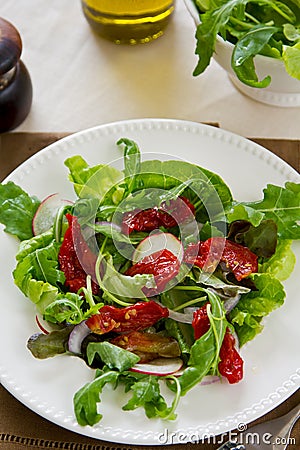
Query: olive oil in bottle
column 128, row 21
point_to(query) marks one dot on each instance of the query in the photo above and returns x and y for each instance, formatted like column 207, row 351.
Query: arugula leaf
column 220, row 286
column 280, row 204
column 87, row 398
column 17, row 210
column 244, row 51
column 266, row 27
column 207, row 190
column 252, row 307
column 68, row 307
column 146, row 393
column 212, row 22
column 132, row 164
column 112, row 356
column 204, row 356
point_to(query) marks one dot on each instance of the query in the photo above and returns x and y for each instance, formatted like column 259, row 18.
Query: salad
column 265, row 27
column 155, row 273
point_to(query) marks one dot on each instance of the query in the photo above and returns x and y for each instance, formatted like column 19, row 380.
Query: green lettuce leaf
column 55, row 343
column 37, row 274
column 42, row 265
column 91, row 181
column 282, row 263
column 17, row 210
column 114, row 283
column 291, row 58
column 252, row 307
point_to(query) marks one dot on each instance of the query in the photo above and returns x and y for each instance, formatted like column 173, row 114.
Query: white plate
column 271, row 360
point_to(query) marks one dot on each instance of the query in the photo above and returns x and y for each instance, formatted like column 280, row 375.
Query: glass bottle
column 128, row 21
column 15, row 82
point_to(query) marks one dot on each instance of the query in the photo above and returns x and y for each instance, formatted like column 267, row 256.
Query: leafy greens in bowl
column 257, row 43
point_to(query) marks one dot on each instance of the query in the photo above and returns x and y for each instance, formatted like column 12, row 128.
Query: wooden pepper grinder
column 15, row 82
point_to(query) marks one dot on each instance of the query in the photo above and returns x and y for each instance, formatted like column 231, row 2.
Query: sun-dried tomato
column 163, row 264
column 75, row 258
column 238, row 258
column 139, row 316
column 200, row 322
column 148, row 346
column 176, row 212
column 168, row 215
column 231, row 364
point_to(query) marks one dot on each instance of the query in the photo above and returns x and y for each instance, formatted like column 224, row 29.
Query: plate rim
column 139, row 437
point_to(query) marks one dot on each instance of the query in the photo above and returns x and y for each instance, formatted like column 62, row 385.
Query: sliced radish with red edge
column 156, row 242
column 159, row 366
column 44, row 217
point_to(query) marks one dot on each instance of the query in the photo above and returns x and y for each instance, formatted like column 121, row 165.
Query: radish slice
column 159, row 366
column 156, row 242
column 44, row 217
column 44, row 326
column 40, row 325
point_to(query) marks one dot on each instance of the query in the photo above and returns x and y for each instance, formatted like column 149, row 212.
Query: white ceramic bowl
column 283, row 90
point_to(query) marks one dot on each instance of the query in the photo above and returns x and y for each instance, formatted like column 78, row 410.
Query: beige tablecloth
column 81, row 80
column 22, row 429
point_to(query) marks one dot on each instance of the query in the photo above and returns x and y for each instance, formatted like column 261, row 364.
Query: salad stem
column 107, row 293
column 88, row 291
column 243, row 24
column 189, row 288
column 176, row 398
column 189, row 303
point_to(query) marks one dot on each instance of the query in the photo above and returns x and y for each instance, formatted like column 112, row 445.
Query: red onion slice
column 76, row 337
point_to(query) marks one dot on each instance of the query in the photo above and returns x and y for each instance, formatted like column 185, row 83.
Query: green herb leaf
column 255, row 305
column 280, row 204
column 282, row 263
column 88, row 397
column 17, row 210
column 146, row 394
column 251, row 44
column 205, row 351
column 132, row 164
column 291, row 58
column 112, row 356
column 48, row 345
column 91, row 181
